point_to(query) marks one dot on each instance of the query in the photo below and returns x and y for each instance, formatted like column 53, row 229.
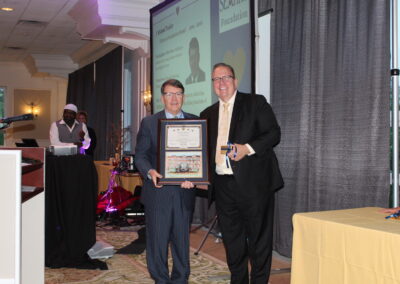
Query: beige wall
column 38, row 126
column 18, row 81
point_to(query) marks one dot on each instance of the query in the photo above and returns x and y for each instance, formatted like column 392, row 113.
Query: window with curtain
column 136, row 68
column 110, row 92
column 127, row 100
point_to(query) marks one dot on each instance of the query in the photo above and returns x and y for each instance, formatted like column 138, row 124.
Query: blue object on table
column 394, row 215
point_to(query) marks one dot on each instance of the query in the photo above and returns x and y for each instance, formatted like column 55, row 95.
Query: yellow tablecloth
column 354, row 246
column 128, row 182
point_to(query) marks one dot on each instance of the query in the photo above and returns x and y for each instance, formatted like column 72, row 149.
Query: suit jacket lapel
column 186, row 115
column 161, row 115
column 236, row 117
column 214, row 127
column 158, row 116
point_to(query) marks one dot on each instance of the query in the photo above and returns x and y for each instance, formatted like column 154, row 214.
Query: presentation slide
column 189, row 36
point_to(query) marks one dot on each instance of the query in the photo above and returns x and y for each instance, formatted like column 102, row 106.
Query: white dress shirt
column 55, row 140
column 225, row 168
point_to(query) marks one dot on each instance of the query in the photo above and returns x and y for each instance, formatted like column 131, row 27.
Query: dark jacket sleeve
column 143, row 158
column 268, row 130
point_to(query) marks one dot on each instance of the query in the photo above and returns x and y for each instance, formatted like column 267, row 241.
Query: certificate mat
column 183, row 151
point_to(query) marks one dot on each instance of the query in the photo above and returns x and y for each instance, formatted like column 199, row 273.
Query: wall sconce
column 33, row 109
column 147, row 99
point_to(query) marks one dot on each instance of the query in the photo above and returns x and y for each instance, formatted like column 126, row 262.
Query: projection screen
column 189, row 36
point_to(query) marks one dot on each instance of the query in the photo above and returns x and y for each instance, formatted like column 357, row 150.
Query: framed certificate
column 183, row 151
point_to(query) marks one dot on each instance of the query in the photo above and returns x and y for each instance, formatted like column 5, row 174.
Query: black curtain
column 70, row 204
column 80, row 90
column 97, row 89
column 330, row 90
column 106, row 116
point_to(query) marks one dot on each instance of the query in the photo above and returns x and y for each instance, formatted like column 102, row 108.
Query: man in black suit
column 196, row 74
column 168, row 208
column 245, row 179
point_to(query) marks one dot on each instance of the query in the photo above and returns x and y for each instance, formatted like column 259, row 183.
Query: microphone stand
column 9, row 120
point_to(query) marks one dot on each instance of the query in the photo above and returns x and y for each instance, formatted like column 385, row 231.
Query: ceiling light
column 7, row 9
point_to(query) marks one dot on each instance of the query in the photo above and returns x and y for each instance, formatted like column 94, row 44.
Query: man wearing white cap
column 68, row 131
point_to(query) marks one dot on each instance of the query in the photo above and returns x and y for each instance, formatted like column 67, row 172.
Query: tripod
column 212, row 223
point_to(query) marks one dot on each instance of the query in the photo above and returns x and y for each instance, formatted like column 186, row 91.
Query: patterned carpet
column 131, row 268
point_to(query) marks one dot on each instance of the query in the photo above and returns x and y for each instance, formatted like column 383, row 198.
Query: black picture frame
column 183, row 151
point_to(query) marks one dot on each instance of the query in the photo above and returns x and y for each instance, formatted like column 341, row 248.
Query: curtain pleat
column 106, row 119
column 330, row 92
column 97, row 89
column 80, row 90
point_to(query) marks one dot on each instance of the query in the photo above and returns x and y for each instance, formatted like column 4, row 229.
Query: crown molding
column 48, row 65
column 91, row 51
column 124, row 22
column 129, row 43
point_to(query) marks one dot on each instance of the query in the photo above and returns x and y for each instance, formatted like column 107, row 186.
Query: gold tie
column 222, row 134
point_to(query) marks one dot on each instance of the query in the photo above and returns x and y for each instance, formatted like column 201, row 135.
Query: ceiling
column 57, row 36
column 37, row 27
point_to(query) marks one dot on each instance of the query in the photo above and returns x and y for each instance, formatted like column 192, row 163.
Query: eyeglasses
column 225, row 79
column 170, row 94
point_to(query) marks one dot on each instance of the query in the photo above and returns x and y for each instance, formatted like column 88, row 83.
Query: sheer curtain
column 330, row 92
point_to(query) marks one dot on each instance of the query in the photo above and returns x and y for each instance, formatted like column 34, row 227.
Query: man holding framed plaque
column 244, row 175
column 168, row 208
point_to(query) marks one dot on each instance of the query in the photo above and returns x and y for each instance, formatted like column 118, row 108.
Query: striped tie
column 222, row 134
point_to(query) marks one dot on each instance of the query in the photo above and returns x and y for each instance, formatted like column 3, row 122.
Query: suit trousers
column 168, row 222
column 246, row 223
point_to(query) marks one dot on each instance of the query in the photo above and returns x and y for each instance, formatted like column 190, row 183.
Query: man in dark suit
column 244, row 180
column 169, row 208
column 196, row 74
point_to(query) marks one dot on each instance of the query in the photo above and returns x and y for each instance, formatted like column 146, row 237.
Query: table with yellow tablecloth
column 353, row 246
column 128, row 181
